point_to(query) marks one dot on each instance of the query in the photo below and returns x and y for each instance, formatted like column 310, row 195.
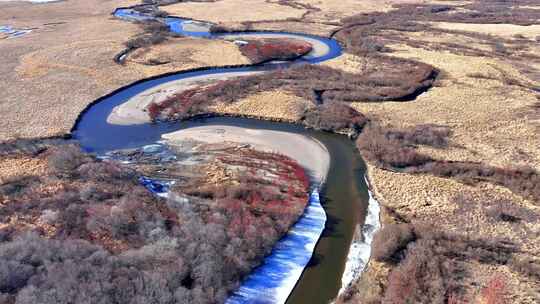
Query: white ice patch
column 13, row 32
column 275, row 279
column 360, row 250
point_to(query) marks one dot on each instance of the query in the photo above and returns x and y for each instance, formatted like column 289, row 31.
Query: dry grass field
column 233, row 11
column 489, row 103
column 50, row 75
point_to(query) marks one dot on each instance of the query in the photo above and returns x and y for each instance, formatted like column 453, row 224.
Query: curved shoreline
column 277, row 276
column 92, row 139
column 316, row 162
column 360, row 250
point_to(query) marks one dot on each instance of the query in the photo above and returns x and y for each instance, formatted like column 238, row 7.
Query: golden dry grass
column 332, row 11
column 503, row 30
column 14, row 166
column 184, row 53
column 233, row 11
column 50, row 75
column 271, row 105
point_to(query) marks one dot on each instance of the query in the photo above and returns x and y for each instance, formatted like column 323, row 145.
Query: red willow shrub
column 178, row 104
column 296, row 171
column 268, row 49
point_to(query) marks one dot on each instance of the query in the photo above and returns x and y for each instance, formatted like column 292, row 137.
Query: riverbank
column 489, row 107
column 135, row 110
column 309, row 153
column 360, row 249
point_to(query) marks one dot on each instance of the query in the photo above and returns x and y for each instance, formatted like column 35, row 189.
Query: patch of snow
column 360, row 250
column 13, row 32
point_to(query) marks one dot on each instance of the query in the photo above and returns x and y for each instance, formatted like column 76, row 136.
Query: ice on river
column 360, row 250
column 12, row 32
column 274, row 280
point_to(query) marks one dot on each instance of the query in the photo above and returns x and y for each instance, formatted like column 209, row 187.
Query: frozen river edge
column 274, row 280
column 360, row 250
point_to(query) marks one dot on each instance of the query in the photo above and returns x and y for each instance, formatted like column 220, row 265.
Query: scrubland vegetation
column 395, row 149
column 87, row 231
column 154, row 32
column 369, row 33
column 317, row 83
column 264, row 50
column 431, row 264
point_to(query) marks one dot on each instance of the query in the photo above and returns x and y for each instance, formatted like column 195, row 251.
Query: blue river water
column 274, row 280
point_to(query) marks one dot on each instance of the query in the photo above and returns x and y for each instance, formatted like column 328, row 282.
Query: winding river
column 344, row 196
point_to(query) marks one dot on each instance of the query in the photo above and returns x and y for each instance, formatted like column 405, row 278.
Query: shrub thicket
column 390, row 241
column 394, row 79
column 264, row 50
column 395, row 149
column 334, row 116
column 89, row 232
column 431, row 268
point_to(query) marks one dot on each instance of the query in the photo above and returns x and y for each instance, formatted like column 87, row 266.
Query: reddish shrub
column 268, row 49
column 494, row 291
column 388, row 152
column 66, row 159
column 418, row 278
column 431, row 135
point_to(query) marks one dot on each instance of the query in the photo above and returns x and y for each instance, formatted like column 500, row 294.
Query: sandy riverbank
column 308, row 152
column 134, row 110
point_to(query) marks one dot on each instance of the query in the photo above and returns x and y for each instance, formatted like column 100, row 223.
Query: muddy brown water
column 345, row 200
